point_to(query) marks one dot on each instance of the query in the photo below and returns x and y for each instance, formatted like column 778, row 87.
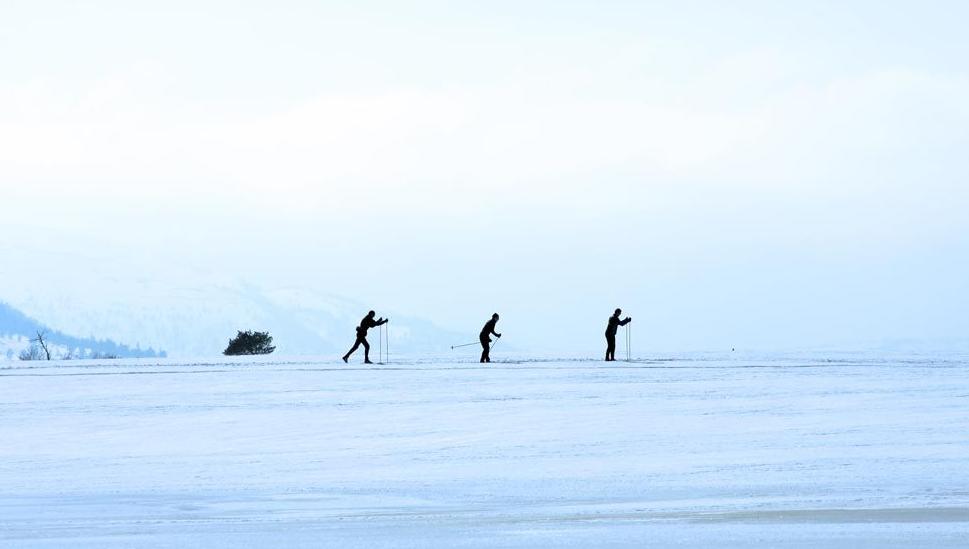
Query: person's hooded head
column 494, row 316
column 618, row 312
column 372, row 314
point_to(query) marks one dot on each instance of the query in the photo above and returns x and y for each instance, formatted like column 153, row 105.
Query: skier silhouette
column 485, row 337
column 611, row 329
column 365, row 324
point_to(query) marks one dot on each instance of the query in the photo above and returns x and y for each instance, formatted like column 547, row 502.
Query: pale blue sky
column 758, row 174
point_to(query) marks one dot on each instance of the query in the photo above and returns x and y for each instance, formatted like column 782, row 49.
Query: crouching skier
column 611, row 329
column 485, row 337
column 365, row 324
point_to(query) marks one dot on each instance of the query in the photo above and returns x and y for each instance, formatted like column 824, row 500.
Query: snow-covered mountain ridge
column 196, row 318
column 18, row 332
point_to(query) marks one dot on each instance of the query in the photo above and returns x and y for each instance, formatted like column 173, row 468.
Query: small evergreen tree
column 250, row 343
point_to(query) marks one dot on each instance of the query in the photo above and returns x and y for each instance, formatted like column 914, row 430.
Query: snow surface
column 795, row 451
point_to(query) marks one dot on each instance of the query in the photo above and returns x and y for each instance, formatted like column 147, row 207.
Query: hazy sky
column 758, row 174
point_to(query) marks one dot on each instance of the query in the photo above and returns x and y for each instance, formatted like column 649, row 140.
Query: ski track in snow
column 781, row 451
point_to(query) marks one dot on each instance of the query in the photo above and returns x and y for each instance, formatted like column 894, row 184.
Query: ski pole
column 464, row 345
column 627, row 342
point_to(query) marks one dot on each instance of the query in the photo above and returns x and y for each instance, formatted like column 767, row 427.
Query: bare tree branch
column 40, row 341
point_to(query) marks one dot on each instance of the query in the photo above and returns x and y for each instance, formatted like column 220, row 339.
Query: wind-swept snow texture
column 801, row 451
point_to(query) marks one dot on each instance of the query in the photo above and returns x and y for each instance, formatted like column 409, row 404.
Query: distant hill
column 196, row 318
column 17, row 329
column 150, row 302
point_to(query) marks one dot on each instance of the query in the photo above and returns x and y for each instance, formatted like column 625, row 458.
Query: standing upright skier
column 485, row 337
column 611, row 329
column 365, row 324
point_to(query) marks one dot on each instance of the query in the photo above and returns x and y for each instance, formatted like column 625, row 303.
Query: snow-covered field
column 752, row 451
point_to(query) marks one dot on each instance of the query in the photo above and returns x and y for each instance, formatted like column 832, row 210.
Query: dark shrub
column 250, row 343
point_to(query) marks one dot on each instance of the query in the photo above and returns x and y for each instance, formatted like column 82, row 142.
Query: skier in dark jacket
column 485, row 337
column 365, row 324
column 611, row 329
